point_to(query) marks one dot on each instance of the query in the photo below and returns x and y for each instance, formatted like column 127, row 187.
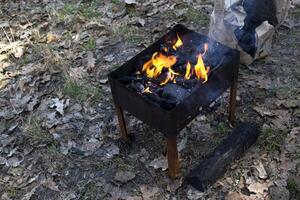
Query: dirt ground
column 59, row 136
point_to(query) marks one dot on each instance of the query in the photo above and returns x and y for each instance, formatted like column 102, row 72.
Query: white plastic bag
column 247, row 25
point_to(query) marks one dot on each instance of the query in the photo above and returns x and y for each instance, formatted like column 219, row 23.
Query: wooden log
column 216, row 164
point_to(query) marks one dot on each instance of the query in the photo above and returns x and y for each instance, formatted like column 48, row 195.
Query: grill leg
column 124, row 133
column 172, row 155
column 232, row 99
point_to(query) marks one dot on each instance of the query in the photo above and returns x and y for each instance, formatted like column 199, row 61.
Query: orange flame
column 154, row 67
column 200, row 70
column 178, row 43
column 188, row 71
column 147, row 90
column 159, row 61
column 169, row 77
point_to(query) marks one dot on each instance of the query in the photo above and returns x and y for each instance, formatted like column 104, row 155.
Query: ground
column 59, row 136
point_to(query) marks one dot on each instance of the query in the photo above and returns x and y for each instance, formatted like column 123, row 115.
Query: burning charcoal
column 167, row 49
column 136, row 86
column 174, row 92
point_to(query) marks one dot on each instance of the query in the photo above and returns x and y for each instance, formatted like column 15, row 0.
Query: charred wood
column 216, row 164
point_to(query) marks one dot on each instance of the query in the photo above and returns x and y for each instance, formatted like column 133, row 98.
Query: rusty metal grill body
column 225, row 64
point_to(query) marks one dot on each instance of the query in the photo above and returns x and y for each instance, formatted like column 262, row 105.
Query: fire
column 147, row 90
column 200, row 70
column 161, row 63
column 178, row 43
column 154, row 67
column 188, row 71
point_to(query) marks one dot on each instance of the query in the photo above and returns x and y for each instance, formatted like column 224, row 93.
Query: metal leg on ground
column 173, row 158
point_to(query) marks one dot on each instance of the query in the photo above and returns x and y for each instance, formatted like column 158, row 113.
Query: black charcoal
column 136, row 86
column 174, row 92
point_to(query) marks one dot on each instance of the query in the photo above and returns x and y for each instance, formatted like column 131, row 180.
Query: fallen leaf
column 2, row 160
column 14, row 161
column 279, row 193
column 182, row 144
column 49, row 183
column 159, row 163
column 193, row 194
column 58, row 105
column 262, row 174
column 33, row 102
column 124, row 176
column 90, row 61
column 131, row 2
column 51, row 37
column 18, row 52
column 51, row 120
column 28, row 195
column 148, row 192
column 237, row 196
column 4, row 24
column 112, row 150
column 174, row 185
column 138, row 21
column 109, row 58
column 258, row 188
column 19, row 102
column 282, row 120
column 78, row 72
column 265, row 83
column 262, row 111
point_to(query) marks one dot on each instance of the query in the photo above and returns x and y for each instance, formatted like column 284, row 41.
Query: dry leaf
column 193, row 194
column 262, row 174
column 52, row 38
column 112, row 150
column 58, row 105
column 131, row 2
column 124, row 176
column 28, row 195
column 262, row 111
column 90, row 61
column 258, row 188
column 18, row 52
column 78, row 73
column 148, row 192
column 159, row 163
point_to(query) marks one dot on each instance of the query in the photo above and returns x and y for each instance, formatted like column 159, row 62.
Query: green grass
column 236, row 175
column 80, row 92
column 272, row 139
column 52, row 154
column 24, row 60
column 196, row 16
column 75, row 90
column 34, row 133
column 222, row 129
column 89, row 11
column 115, row 1
column 129, row 33
column 11, row 192
column 50, row 57
column 90, row 45
column 85, row 10
column 295, row 12
column 292, row 188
